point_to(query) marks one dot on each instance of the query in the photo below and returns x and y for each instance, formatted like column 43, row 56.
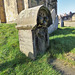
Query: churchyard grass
column 62, row 45
column 13, row 62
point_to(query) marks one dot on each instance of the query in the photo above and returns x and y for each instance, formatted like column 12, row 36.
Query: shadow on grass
column 60, row 45
column 64, row 31
column 19, row 60
column 57, row 46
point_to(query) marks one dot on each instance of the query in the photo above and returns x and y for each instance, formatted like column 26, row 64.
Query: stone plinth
column 33, row 41
column 26, row 43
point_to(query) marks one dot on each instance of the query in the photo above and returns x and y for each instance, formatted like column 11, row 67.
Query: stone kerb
column 69, row 23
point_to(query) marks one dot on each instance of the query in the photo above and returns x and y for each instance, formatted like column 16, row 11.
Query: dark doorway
column 20, row 5
column 2, row 12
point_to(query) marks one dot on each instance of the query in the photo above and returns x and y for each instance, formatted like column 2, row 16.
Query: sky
column 65, row 6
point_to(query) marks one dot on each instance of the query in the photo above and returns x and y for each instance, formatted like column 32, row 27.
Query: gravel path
column 59, row 66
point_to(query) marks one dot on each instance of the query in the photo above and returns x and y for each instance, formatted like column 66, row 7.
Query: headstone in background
column 53, row 14
column 62, row 23
column 53, row 26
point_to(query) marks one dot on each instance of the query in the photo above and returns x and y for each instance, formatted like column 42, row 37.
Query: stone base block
column 33, row 42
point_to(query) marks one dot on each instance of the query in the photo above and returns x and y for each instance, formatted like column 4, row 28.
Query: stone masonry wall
column 9, row 9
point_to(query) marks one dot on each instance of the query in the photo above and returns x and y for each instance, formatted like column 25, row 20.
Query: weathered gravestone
column 62, row 23
column 33, row 26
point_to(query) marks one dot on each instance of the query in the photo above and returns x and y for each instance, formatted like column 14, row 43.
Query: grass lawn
column 13, row 62
column 62, row 44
